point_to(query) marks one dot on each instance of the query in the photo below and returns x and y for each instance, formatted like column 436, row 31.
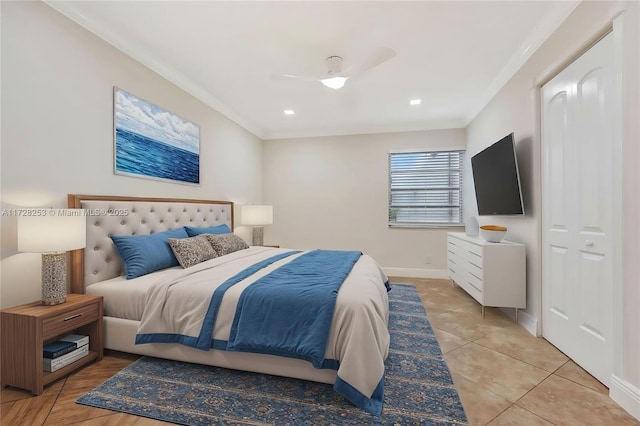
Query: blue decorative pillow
column 142, row 254
column 219, row 229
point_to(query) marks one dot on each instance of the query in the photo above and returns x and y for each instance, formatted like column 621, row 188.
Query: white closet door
column 578, row 111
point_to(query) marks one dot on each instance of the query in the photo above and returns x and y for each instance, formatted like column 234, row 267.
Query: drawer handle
column 73, row 317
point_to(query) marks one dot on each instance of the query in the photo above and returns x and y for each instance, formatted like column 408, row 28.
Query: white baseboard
column 416, row 273
column 626, row 395
column 529, row 322
column 524, row 319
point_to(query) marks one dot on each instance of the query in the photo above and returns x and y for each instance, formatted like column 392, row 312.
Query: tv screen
column 496, row 179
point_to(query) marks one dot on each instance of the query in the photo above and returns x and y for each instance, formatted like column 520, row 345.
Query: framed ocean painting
column 152, row 143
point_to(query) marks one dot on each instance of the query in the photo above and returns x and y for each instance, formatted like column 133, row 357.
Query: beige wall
column 332, row 192
column 514, row 109
column 57, row 130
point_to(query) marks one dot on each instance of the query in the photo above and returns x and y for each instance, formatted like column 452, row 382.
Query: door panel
column 577, row 178
column 556, row 136
column 592, row 281
column 558, row 288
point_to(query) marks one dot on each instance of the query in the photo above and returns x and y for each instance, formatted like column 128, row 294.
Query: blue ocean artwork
column 140, row 155
column 154, row 143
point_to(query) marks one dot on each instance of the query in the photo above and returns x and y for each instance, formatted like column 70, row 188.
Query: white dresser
column 492, row 273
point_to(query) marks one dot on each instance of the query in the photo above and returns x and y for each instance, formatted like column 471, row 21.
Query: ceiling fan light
column 334, row 82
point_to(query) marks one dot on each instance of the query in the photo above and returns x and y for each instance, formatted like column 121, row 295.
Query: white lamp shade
column 256, row 215
column 56, row 230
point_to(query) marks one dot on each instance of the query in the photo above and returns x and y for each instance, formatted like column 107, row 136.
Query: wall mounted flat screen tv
column 496, row 179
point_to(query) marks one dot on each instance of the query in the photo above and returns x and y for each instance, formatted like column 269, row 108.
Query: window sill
column 427, row 225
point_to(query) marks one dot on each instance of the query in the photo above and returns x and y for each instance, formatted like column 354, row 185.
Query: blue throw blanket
column 205, row 341
column 289, row 312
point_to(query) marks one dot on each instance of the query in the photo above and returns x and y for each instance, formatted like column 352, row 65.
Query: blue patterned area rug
column 418, row 386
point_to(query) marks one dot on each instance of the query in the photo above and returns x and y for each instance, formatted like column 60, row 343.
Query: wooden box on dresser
column 492, row 273
column 27, row 328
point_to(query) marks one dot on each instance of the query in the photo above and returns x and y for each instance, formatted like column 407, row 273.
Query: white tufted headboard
column 113, row 215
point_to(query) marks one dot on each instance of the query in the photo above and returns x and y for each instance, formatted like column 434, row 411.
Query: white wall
column 332, row 192
column 627, row 362
column 57, row 130
column 514, row 109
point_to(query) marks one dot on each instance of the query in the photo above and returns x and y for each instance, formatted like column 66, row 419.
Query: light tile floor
column 504, row 375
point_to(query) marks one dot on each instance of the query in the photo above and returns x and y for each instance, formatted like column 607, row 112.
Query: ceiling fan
column 335, row 77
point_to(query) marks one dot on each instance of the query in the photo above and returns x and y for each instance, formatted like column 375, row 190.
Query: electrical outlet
column 428, row 260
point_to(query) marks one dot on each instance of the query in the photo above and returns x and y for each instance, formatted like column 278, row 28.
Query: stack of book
column 64, row 351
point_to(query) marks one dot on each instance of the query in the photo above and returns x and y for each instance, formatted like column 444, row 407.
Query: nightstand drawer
column 71, row 319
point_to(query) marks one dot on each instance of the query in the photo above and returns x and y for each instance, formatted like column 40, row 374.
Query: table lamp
column 257, row 216
column 52, row 233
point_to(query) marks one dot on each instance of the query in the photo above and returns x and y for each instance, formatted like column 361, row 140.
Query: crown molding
column 69, row 10
column 369, row 129
column 526, row 50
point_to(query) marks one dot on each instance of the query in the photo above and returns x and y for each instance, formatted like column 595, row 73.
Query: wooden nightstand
column 27, row 328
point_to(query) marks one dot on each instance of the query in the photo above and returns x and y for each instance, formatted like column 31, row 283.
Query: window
column 425, row 188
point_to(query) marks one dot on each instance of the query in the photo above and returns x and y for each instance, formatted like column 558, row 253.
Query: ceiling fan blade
column 327, row 80
column 297, row 77
column 381, row 55
column 336, row 78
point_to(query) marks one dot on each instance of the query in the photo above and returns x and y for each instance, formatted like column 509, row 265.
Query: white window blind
column 425, row 188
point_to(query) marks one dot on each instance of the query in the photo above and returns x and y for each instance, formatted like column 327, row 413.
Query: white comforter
column 358, row 339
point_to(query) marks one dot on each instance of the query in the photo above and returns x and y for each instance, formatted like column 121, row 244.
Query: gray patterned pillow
column 226, row 243
column 191, row 251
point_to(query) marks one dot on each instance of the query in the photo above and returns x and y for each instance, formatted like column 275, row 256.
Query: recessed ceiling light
column 415, row 101
column 289, row 112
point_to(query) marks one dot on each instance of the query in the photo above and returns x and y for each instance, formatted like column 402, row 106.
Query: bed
column 144, row 314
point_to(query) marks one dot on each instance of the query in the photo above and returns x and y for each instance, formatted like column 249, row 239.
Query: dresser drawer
column 455, row 246
column 467, row 246
column 470, row 289
column 475, row 281
column 454, row 272
column 474, row 249
column 475, row 268
column 70, row 319
column 472, row 257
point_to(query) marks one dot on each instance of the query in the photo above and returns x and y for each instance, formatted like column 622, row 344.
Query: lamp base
column 54, row 278
column 258, row 236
